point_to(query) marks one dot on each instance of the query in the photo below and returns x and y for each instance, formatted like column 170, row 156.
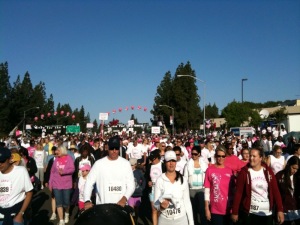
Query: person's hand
column 280, row 217
column 207, row 214
column 18, row 218
column 234, row 218
column 88, row 205
column 122, row 201
column 60, row 171
column 165, row 204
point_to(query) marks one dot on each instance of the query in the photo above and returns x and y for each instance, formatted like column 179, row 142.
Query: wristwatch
column 22, row 212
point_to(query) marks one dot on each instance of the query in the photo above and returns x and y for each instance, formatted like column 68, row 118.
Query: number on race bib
column 173, row 211
column 4, row 189
column 114, row 188
column 254, row 207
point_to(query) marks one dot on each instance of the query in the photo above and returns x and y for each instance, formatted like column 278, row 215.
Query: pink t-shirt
column 234, row 163
column 221, row 184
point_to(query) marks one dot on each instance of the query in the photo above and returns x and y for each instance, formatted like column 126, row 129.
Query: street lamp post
column 244, row 79
column 173, row 129
column 24, row 116
column 204, row 91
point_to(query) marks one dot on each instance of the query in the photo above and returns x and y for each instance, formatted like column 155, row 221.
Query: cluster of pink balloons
column 55, row 114
column 126, row 109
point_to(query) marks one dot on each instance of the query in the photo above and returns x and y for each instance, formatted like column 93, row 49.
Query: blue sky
column 107, row 55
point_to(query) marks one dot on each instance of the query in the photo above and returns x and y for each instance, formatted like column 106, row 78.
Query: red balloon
column 145, row 109
column 73, row 117
column 120, row 109
column 48, row 114
column 36, row 118
column 62, row 112
column 132, row 107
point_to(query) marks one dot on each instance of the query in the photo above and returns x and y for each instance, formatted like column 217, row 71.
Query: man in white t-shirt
column 15, row 189
column 112, row 176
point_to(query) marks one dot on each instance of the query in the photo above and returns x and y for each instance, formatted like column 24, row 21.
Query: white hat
column 170, row 155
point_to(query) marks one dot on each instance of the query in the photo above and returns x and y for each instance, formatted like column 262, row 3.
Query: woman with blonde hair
column 61, row 182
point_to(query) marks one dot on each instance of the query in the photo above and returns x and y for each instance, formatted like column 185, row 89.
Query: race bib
column 5, row 188
column 260, row 208
column 114, row 188
column 172, row 212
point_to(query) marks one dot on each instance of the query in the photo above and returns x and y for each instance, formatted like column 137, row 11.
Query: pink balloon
column 132, row 107
column 114, row 111
column 55, row 113
column 73, row 117
column 145, row 109
column 139, row 107
column 42, row 116
column 68, row 113
column 126, row 108
column 62, row 112
column 36, row 118
column 48, row 114
column 120, row 109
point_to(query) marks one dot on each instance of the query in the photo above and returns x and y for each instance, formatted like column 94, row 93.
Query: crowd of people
column 246, row 180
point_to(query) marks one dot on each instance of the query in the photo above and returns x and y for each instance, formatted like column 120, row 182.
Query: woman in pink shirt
column 61, row 182
column 231, row 160
column 219, row 188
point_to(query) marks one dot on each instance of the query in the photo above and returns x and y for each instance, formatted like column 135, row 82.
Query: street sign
column 73, row 129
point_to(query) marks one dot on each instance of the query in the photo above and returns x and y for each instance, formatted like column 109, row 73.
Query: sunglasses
column 178, row 154
column 220, row 156
column 195, row 154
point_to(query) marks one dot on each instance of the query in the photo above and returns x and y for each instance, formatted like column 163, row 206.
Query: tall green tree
column 211, row 111
column 236, row 114
column 180, row 94
column 5, row 98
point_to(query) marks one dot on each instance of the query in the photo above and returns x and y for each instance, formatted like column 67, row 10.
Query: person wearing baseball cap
column 16, row 189
column 171, row 196
column 112, row 176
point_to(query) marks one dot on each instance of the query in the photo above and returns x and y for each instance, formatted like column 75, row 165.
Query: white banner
column 103, row 116
column 155, row 130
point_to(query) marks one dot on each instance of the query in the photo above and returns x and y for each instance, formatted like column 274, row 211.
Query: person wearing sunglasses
column 153, row 170
column 112, row 176
column 181, row 161
column 171, row 195
column 219, row 188
column 257, row 193
column 195, row 172
column 231, row 160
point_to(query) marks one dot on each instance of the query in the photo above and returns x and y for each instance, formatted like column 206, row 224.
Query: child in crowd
column 85, row 169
